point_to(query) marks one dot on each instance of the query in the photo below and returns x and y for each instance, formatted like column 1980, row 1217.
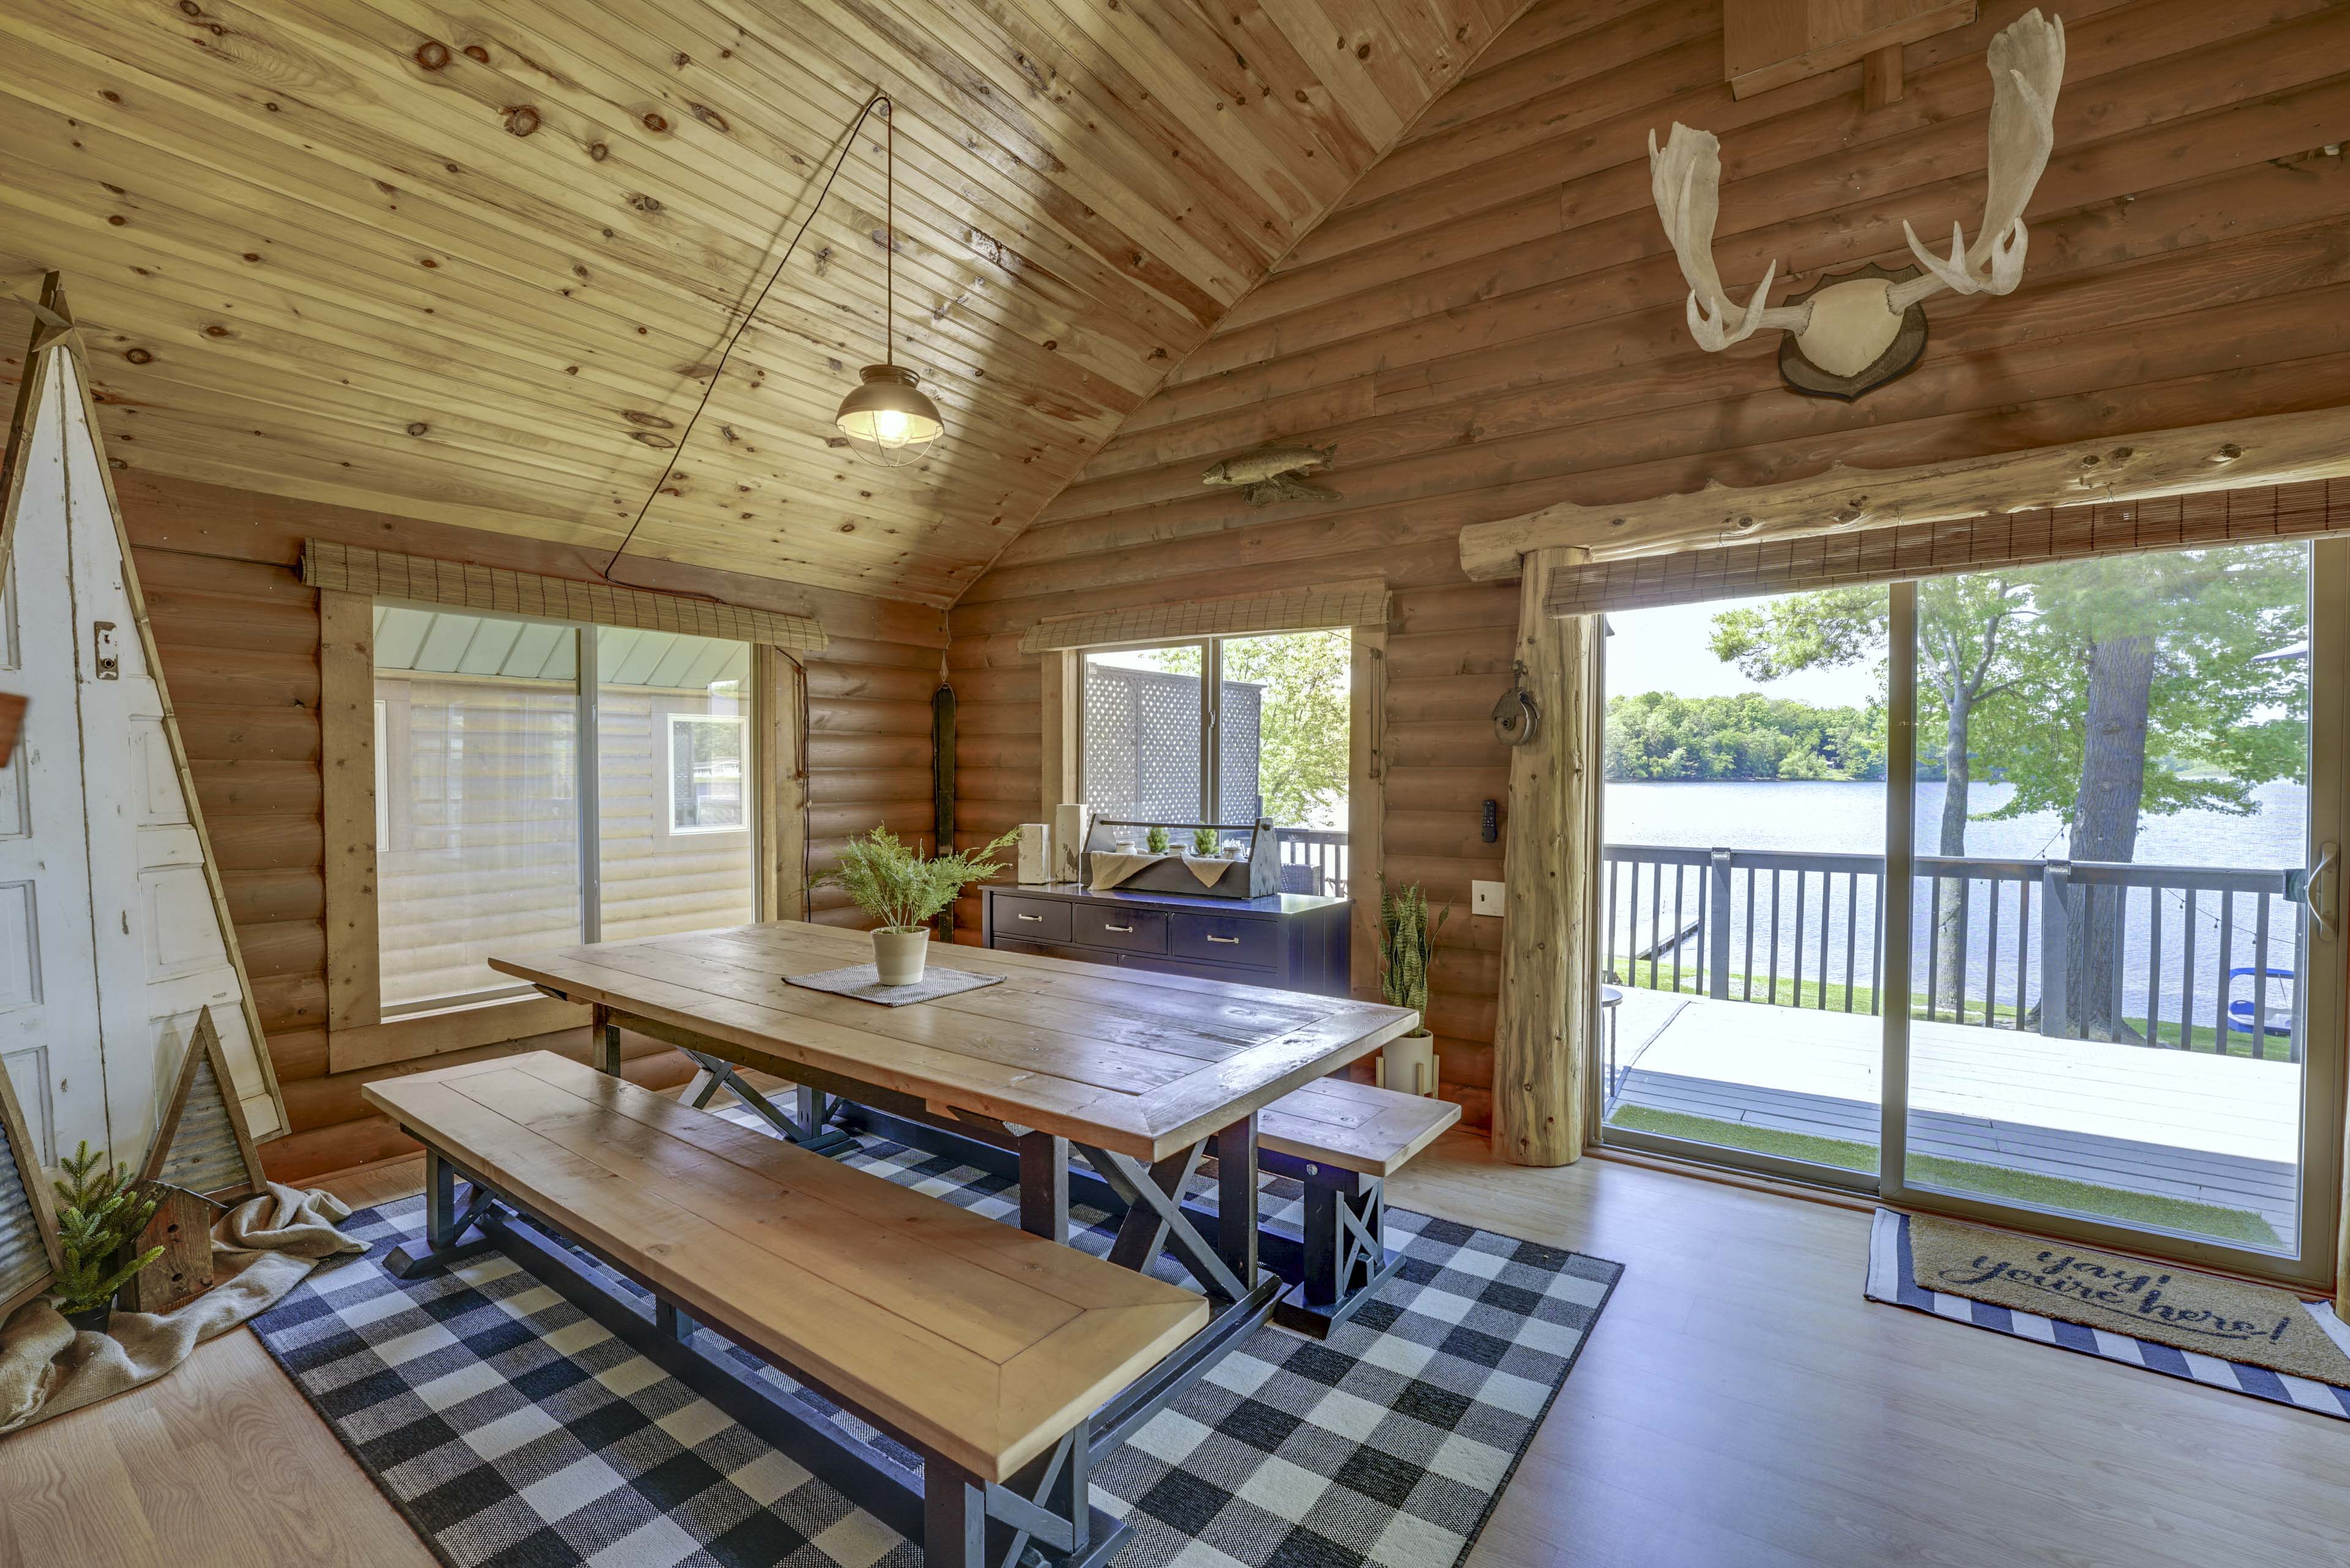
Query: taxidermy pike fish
column 1271, row 474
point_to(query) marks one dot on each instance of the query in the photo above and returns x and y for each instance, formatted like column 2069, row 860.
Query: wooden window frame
column 358, row 1035
column 1062, row 686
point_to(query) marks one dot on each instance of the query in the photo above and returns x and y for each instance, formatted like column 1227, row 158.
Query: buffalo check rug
column 512, row 1429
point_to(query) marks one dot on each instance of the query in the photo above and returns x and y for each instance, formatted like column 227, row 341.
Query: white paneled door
column 110, row 938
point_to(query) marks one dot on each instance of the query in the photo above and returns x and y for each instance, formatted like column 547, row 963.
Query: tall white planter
column 898, row 955
column 1409, row 1064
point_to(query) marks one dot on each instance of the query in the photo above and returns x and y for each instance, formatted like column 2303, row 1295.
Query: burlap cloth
column 1110, row 867
column 261, row 1249
column 2229, row 1319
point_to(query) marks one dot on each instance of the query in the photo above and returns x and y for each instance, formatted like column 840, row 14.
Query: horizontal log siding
column 1491, row 321
column 238, row 636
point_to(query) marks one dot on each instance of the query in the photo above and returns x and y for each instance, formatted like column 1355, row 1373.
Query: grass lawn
column 1646, row 976
column 1963, row 1176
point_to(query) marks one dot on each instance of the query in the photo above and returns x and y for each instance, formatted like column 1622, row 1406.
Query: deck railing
column 1321, row 849
column 2178, row 956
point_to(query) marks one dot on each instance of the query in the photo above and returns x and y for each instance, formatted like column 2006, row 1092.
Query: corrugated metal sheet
column 449, row 642
column 204, row 1155
column 23, row 1259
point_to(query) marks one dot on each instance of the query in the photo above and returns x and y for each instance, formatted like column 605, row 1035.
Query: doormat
column 2246, row 1338
column 511, row 1428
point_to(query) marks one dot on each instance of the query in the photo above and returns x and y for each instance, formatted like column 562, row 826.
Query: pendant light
column 887, row 420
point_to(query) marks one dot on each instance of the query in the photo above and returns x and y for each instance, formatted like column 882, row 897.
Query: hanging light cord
column 889, row 317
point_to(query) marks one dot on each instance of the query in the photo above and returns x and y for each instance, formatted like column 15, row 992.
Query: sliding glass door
column 2106, row 1000
column 2126, row 1019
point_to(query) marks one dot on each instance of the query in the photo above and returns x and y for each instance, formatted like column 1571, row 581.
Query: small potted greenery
column 1204, row 843
column 1407, row 948
column 895, row 885
column 100, row 1213
column 1157, row 841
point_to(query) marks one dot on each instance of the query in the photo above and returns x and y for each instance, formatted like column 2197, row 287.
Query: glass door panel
column 1743, row 816
column 2109, row 967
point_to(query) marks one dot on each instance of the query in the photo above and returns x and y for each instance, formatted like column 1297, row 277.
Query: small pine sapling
column 1204, row 842
column 893, row 883
column 98, row 1211
column 1156, row 840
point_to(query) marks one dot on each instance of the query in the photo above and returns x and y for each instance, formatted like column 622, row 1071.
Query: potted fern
column 895, row 885
column 1407, row 948
column 99, row 1215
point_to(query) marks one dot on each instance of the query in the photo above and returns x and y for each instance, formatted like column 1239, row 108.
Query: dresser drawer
column 1222, row 938
column 1030, row 920
column 1157, row 965
column 1134, row 930
column 1049, row 949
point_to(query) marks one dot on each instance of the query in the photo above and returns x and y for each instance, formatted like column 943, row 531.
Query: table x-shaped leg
column 809, row 1128
column 1155, row 1218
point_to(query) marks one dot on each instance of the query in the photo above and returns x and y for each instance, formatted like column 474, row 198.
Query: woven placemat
column 863, row 981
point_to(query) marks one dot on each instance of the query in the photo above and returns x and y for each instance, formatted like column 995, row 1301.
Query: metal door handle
column 2319, row 910
column 1128, row 929
column 1038, row 919
column 1228, row 941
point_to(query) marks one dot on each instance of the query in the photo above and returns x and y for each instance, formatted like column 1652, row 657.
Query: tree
column 1966, row 629
column 1303, row 761
column 1657, row 735
column 2139, row 695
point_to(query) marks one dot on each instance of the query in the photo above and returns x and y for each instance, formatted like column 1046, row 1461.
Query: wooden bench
column 1006, row 1360
column 1343, row 1139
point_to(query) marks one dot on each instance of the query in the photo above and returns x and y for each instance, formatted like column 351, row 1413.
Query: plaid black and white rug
column 511, row 1428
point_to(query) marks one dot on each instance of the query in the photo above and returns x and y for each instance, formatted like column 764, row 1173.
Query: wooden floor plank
column 1739, row 1405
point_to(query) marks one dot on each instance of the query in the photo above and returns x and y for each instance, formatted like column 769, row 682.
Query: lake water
column 1849, row 819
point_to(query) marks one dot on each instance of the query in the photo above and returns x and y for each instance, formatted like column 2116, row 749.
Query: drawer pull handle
column 1128, row 929
column 1038, row 919
column 1227, row 941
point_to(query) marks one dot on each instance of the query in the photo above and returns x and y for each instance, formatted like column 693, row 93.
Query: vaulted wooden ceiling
column 475, row 264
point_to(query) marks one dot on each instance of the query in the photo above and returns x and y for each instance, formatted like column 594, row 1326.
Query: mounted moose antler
column 1856, row 333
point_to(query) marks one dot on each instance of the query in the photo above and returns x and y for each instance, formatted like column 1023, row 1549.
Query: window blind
column 1312, row 607
column 381, row 574
column 1905, row 551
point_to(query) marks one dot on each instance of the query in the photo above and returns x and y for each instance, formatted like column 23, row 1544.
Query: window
column 540, row 784
column 705, row 774
column 1257, row 726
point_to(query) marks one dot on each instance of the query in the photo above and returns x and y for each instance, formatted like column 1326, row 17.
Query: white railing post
column 2055, row 946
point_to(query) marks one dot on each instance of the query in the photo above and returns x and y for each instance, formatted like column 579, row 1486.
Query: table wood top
column 1136, row 1063
column 976, row 1339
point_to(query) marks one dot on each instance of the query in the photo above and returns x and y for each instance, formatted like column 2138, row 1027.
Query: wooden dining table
column 1134, row 1072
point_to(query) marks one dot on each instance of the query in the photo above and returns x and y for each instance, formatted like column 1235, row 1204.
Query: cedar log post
column 1549, row 962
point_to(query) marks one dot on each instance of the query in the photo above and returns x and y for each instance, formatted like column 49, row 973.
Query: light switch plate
column 1485, row 899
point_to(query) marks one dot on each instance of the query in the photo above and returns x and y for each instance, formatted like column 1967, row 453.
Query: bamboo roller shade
column 1903, row 551
column 1313, row 607
column 380, row 574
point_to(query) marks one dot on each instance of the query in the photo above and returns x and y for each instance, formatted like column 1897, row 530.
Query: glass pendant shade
column 887, row 420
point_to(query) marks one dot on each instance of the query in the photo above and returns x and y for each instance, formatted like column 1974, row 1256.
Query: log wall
column 238, row 636
column 1490, row 321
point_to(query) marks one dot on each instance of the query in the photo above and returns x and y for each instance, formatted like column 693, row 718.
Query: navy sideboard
column 1291, row 942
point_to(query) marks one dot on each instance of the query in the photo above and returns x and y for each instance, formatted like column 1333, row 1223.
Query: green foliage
column 100, row 1210
column 1302, row 756
column 2215, row 723
column 1204, row 842
column 1155, row 840
column 1407, row 948
column 894, row 884
column 1657, row 735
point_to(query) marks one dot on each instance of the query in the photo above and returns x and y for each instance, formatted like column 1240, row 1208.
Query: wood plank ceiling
column 475, row 264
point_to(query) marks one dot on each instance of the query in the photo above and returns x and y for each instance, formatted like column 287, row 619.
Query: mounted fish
column 1269, row 474
column 1857, row 331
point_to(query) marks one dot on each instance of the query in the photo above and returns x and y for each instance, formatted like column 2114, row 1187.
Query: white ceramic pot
column 1409, row 1064
column 898, row 955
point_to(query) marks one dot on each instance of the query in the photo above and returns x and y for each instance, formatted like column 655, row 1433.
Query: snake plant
column 1407, row 948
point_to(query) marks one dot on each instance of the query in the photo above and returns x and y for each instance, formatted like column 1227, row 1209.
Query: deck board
column 2175, row 1124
